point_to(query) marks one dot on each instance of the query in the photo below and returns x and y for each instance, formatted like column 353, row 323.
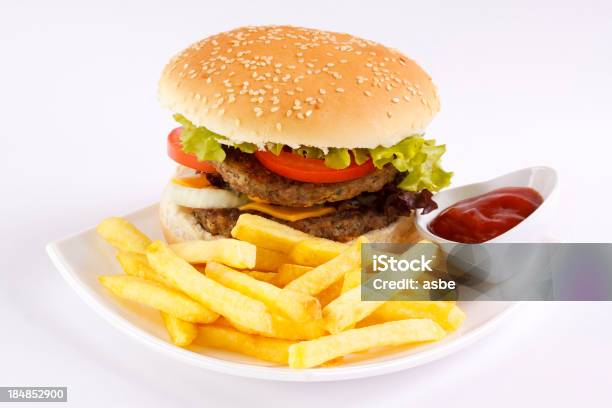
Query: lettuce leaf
column 275, row 148
column 309, row 152
column 416, row 157
column 247, row 147
column 361, row 155
column 420, row 158
column 338, row 158
column 200, row 141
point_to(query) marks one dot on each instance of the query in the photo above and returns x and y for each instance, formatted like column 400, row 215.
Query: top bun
column 299, row 86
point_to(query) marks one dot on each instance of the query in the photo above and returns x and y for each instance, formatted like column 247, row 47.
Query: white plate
column 82, row 257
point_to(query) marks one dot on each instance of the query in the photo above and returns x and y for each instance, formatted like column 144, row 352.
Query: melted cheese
column 192, row 182
column 288, row 213
column 258, row 200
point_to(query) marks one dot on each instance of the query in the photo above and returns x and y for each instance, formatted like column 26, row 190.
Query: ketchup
column 484, row 217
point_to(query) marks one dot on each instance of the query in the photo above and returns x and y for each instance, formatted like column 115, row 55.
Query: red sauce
column 484, row 217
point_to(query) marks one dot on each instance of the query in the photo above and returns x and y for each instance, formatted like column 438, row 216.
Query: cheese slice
column 288, row 213
column 192, row 182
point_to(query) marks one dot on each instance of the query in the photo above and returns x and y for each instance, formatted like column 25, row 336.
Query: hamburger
column 318, row 130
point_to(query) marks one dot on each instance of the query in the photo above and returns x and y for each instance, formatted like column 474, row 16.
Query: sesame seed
column 389, row 114
column 274, row 109
column 395, row 100
column 322, row 91
column 300, row 115
column 289, row 112
column 367, row 93
column 340, row 90
column 237, row 122
column 406, row 98
column 279, row 127
column 308, row 113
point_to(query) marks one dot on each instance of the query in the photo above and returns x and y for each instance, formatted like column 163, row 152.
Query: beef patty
column 244, row 173
column 342, row 225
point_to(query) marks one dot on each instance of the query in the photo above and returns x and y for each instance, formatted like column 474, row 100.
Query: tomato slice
column 176, row 153
column 308, row 170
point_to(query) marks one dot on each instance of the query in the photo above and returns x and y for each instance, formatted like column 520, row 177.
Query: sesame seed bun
column 299, row 86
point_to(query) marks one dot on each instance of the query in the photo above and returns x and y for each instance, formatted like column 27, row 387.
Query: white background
column 83, row 138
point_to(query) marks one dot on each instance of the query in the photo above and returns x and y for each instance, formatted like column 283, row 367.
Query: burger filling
column 339, row 194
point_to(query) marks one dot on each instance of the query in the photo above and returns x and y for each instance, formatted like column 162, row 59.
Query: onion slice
column 209, row 197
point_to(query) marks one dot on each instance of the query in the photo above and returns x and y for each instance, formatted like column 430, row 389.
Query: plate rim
column 254, row 371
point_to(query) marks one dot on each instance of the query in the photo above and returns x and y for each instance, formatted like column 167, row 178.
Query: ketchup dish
column 515, row 207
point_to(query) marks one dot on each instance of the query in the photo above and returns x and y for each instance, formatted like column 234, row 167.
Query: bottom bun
column 179, row 224
column 401, row 231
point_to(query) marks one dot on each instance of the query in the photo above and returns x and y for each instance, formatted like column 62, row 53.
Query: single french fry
column 263, row 348
column 249, row 312
column 286, row 329
column 121, row 234
column 137, row 265
column 266, row 233
column 446, row 314
column 293, row 305
column 316, row 251
column 231, row 252
column 159, row 297
column 352, row 279
column 269, row 277
column 182, row 333
column 343, row 312
column 288, row 272
column 321, row 277
column 330, row 293
column 315, row 352
column 269, row 260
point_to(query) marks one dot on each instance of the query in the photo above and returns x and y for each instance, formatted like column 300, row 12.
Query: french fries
column 288, row 272
column 446, row 314
column 181, row 333
column 321, row 277
column 330, row 293
column 231, row 252
column 347, row 310
column 316, row 251
column 269, row 260
column 312, row 353
column 273, row 293
column 248, row 312
column 137, row 265
column 121, row 234
column 269, row 277
column 266, row 233
column 293, row 305
column 263, row 348
column 159, row 297
column 286, row 329
column 352, row 279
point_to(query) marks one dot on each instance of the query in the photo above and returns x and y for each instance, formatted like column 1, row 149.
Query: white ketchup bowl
column 532, row 229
